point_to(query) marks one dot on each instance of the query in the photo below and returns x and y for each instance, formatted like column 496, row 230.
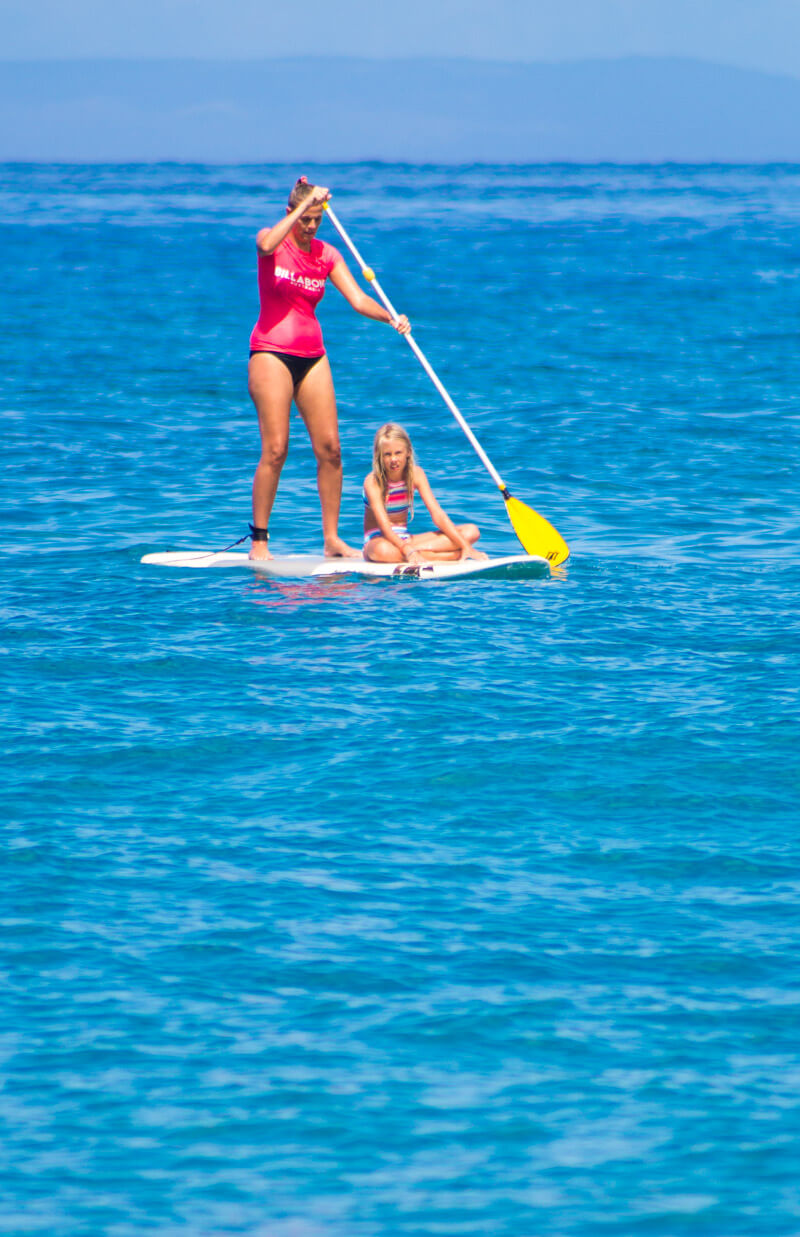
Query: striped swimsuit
column 396, row 503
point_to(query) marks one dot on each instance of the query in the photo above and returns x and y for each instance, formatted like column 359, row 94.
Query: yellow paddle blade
column 536, row 535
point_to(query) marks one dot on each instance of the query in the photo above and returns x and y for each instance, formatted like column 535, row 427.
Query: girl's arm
column 344, row 282
column 269, row 239
column 440, row 517
column 373, row 493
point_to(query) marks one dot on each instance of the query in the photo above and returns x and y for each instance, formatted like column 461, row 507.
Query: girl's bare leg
column 379, row 550
column 438, row 548
column 316, row 400
column 270, row 385
column 432, row 547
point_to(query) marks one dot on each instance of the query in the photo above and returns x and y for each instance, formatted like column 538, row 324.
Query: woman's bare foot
column 336, row 548
column 258, row 550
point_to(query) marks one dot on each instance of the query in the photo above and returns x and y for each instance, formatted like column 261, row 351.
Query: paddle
column 536, row 535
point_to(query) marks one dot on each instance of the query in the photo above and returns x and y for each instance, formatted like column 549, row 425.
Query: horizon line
column 156, row 58
column 408, row 163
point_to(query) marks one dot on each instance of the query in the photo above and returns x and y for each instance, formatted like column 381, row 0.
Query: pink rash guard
column 291, row 284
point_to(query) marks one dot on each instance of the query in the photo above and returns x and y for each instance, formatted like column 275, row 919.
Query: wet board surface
column 300, row 566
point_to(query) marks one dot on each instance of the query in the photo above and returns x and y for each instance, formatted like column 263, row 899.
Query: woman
column 288, row 361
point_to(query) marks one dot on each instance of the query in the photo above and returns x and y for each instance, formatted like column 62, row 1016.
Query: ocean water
column 358, row 908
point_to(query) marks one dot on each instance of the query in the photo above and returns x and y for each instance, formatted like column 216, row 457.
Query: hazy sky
column 760, row 34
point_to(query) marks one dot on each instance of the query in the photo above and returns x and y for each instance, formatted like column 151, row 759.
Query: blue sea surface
column 346, row 908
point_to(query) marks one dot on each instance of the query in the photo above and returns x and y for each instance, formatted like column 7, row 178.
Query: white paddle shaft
column 369, row 275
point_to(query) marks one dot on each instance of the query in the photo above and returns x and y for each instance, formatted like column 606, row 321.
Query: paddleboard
column 302, row 566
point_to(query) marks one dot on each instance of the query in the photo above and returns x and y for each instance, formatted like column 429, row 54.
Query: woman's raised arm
column 269, row 239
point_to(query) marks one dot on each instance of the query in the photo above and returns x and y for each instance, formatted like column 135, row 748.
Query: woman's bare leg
column 271, row 389
column 316, row 400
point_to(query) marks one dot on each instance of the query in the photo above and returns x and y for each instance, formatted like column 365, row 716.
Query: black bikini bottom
column 298, row 366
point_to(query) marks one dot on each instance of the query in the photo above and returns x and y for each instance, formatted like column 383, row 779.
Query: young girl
column 389, row 504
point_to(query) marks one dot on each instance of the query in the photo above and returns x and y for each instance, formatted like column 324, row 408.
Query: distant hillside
column 633, row 110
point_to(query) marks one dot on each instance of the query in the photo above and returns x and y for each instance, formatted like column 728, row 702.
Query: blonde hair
column 301, row 190
column 387, row 433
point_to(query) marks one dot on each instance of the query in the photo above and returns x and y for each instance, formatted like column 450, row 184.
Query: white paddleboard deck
column 302, row 566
